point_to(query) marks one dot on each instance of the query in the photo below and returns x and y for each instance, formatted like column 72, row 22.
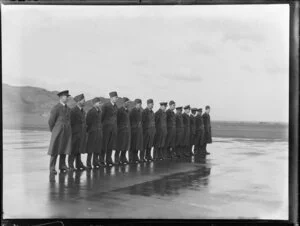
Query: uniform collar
column 79, row 107
column 113, row 104
column 63, row 104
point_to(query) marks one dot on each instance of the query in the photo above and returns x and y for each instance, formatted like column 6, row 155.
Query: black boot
column 117, row 157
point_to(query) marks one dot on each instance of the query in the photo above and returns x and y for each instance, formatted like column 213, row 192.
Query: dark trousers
column 187, row 150
column 62, row 161
column 76, row 158
column 192, row 140
column 95, row 157
column 148, row 154
column 130, row 155
column 158, row 153
column 133, row 155
column 155, row 153
column 117, row 156
column 164, row 153
column 123, row 156
column 197, row 149
column 204, row 148
column 102, row 156
column 177, row 151
column 109, row 138
column 108, row 158
column 136, row 155
column 169, row 152
column 191, row 149
column 142, row 154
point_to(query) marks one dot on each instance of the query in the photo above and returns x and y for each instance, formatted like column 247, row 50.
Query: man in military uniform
column 78, row 125
column 61, row 132
column 161, row 131
column 148, row 123
column 136, row 144
column 179, row 132
column 123, row 138
column 207, row 129
column 109, row 122
column 171, row 131
column 199, row 140
column 192, row 129
column 187, row 130
column 95, row 135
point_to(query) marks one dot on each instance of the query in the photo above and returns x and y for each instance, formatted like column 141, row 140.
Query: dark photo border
column 293, row 115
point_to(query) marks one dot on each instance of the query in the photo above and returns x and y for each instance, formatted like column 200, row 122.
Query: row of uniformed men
column 106, row 127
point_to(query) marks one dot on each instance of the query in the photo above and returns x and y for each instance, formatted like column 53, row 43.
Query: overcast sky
column 233, row 58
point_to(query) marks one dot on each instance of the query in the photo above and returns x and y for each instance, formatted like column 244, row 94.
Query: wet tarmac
column 242, row 178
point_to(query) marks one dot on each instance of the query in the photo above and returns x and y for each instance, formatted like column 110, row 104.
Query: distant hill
column 26, row 105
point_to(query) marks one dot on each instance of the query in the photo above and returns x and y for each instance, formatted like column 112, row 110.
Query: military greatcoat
column 79, row 135
column 161, row 129
column 192, row 130
column 199, row 140
column 171, row 129
column 148, row 124
column 135, row 118
column 186, row 131
column 109, row 122
column 60, row 127
column 94, row 129
column 207, row 128
column 123, row 123
column 179, row 130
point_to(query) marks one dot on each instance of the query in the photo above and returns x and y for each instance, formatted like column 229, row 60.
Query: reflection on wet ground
column 68, row 185
column 170, row 185
column 240, row 179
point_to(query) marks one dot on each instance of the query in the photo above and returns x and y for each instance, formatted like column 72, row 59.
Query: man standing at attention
column 109, row 122
column 61, row 137
column 161, row 131
column 199, row 140
column 207, row 129
column 123, row 138
column 78, row 126
column 179, row 132
column 171, row 131
column 148, row 122
column 186, row 132
column 95, row 135
column 136, row 144
column 192, row 129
